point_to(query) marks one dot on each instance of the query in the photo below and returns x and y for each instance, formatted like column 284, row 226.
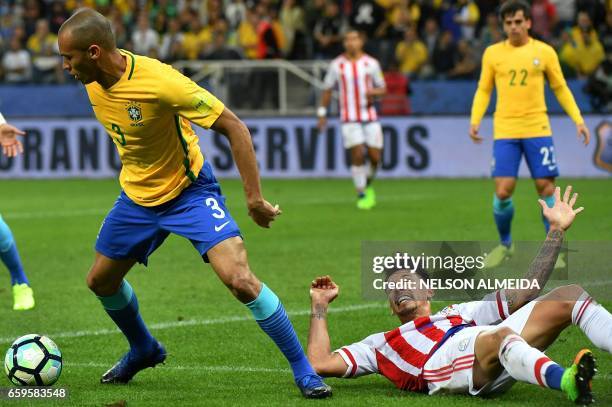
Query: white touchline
column 221, row 368
column 192, row 322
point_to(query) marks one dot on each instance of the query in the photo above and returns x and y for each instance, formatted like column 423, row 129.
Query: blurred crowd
column 421, row 39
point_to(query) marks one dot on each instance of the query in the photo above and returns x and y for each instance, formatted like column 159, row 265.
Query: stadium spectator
column 197, row 38
column 605, row 34
column 235, row 13
column 595, row 9
column 584, row 52
column 448, row 19
column 367, row 16
column 31, row 14
column 122, row 36
column 171, row 48
column 57, row 16
column 220, row 50
column 599, row 87
column 491, row 32
column 166, row 8
column 566, row 11
column 144, row 39
column 543, row 19
column 411, row 54
column 45, row 54
column 431, row 33
column 270, row 14
column 443, row 59
column 467, row 17
column 294, row 30
column 328, row 32
column 247, row 34
column 264, row 92
column 466, row 65
column 16, row 63
column 567, row 54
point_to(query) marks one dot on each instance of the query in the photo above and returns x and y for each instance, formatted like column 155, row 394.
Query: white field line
column 232, row 369
column 192, row 322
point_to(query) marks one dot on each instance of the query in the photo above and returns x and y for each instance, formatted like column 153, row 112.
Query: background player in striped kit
column 360, row 80
column 23, row 296
column 478, row 347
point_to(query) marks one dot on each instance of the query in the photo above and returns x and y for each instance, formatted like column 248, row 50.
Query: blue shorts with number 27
column 539, row 153
column 131, row 231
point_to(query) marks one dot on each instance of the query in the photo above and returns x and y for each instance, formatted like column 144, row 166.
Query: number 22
column 522, row 72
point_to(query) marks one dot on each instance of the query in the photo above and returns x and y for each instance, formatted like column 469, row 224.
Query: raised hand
column 323, row 290
column 562, row 214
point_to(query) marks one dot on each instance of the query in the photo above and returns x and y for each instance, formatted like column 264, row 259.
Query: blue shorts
column 539, row 153
column 132, row 231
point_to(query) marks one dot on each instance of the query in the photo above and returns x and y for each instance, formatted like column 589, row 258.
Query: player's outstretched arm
column 560, row 216
column 228, row 124
column 323, row 291
column 11, row 146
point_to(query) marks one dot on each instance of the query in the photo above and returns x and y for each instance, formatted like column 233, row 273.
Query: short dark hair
column 511, row 7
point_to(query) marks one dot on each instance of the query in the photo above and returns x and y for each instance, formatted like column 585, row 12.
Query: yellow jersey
column 518, row 74
column 147, row 113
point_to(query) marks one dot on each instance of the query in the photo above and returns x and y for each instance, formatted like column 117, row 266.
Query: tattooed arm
column 323, row 291
column 560, row 216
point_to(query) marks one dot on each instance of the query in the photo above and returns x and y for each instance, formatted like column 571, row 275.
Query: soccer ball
column 33, row 360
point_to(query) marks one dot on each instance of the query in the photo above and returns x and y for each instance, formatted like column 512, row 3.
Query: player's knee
column 100, row 287
column 503, row 193
column 546, row 189
column 244, row 285
column 565, row 298
column 501, row 333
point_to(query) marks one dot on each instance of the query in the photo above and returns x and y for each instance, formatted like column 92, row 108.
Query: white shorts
column 354, row 134
column 450, row 368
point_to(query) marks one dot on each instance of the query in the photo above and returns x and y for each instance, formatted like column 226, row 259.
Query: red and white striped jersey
column 354, row 79
column 401, row 353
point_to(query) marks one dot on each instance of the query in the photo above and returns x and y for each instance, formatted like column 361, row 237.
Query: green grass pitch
column 217, row 354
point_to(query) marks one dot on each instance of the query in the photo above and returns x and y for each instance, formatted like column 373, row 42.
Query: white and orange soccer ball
column 33, row 360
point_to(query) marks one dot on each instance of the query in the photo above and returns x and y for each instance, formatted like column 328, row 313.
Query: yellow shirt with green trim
column 147, row 113
column 518, row 74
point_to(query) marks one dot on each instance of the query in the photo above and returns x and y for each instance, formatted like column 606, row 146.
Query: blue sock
column 553, row 376
column 550, row 201
column 272, row 318
column 10, row 255
column 503, row 212
column 122, row 307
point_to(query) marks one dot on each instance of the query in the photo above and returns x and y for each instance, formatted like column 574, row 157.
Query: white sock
column 594, row 320
column 523, row 362
column 359, row 177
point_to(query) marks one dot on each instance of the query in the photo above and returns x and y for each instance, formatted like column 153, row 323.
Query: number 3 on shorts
column 214, row 205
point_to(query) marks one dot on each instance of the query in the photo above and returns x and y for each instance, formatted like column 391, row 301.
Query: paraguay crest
column 134, row 111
